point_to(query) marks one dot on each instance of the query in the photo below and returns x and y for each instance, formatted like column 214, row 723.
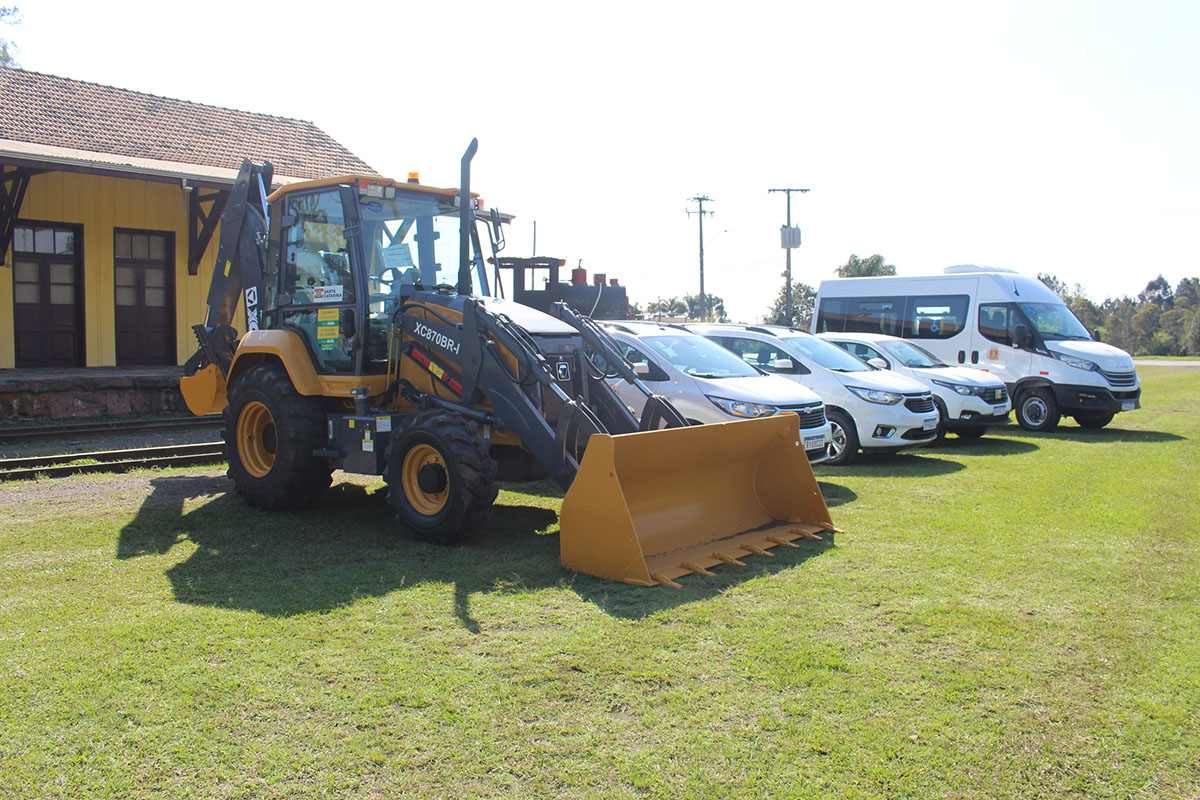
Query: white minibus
column 998, row 321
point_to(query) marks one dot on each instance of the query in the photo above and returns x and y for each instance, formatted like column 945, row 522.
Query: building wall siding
column 100, row 204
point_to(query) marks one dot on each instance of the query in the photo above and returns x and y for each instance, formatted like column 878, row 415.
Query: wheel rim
column 256, row 439
column 837, row 437
column 1035, row 410
column 424, row 461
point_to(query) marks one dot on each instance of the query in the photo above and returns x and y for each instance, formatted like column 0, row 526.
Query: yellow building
column 109, row 208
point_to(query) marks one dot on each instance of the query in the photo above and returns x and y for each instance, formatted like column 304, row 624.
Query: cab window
column 316, row 261
column 995, row 322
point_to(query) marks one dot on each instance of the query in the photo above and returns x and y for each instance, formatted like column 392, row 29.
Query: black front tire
column 441, row 479
column 1037, row 410
column 1094, row 419
column 844, row 445
column 270, row 433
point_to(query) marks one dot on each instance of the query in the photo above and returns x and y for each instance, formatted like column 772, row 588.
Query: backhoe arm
column 238, row 273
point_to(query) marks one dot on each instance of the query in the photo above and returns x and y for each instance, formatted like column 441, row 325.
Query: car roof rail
column 620, row 327
column 760, row 329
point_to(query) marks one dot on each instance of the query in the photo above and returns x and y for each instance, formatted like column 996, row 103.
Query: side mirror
column 878, row 363
column 783, row 365
column 641, row 369
column 1096, row 334
column 1020, row 337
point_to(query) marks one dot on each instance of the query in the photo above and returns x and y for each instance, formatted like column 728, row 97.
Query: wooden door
column 47, row 295
column 145, row 298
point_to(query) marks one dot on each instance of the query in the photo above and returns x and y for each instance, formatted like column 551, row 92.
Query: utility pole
column 701, row 199
column 790, row 238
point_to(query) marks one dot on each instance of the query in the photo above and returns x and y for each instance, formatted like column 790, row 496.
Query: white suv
column 873, row 409
column 969, row 400
column 707, row 383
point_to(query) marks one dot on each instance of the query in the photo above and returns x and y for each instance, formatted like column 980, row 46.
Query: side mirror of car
column 641, row 369
column 878, row 363
column 1096, row 334
column 1020, row 337
column 783, row 365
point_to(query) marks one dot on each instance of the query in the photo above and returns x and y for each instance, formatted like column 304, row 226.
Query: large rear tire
column 1037, row 410
column 441, row 479
column 843, row 446
column 270, row 433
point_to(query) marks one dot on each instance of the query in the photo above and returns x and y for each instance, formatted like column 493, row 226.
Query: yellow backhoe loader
column 364, row 353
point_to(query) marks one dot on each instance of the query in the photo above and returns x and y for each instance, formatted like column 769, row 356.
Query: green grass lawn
column 1014, row 617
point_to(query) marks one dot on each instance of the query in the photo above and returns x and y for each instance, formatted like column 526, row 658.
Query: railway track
column 43, row 432
column 112, row 460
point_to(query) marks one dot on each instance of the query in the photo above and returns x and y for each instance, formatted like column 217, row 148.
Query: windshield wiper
column 705, row 375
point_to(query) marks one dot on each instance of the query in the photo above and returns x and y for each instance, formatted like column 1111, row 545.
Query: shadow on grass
column 987, row 445
column 350, row 547
column 1072, row 433
column 906, row 464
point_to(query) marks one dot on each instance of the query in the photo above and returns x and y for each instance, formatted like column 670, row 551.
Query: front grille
column 997, row 399
column 916, row 434
column 1120, row 378
column 810, row 416
column 921, row 404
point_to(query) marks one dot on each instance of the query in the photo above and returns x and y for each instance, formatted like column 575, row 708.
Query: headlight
column 877, row 396
column 740, row 408
column 957, row 387
column 1077, row 363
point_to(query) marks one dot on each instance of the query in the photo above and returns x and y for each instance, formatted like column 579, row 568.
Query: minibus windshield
column 1055, row 321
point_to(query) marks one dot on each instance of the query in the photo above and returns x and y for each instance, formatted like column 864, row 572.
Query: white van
column 998, row 321
column 968, row 400
column 707, row 383
column 874, row 409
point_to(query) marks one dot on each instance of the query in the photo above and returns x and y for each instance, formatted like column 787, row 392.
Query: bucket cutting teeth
column 663, row 580
column 696, row 569
column 782, row 541
column 728, row 559
column 803, row 534
column 758, row 551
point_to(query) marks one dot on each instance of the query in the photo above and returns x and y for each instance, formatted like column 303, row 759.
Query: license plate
column 929, row 423
column 1128, row 405
column 813, row 442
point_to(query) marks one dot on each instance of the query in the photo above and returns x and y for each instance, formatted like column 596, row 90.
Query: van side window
column 830, row 317
column 994, row 322
column 936, row 316
column 874, row 315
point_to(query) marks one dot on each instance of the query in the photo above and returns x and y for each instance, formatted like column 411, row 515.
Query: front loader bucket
column 649, row 507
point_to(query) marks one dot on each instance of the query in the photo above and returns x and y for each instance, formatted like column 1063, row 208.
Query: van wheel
column 844, row 445
column 1037, row 411
column 1094, row 419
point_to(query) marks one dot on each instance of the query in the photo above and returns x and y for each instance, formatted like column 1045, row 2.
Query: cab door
column 993, row 332
column 319, row 291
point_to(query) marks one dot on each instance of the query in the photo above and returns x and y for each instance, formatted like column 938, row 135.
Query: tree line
column 1160, row 321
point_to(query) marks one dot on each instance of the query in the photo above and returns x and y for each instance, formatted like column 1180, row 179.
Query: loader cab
column 345, row 253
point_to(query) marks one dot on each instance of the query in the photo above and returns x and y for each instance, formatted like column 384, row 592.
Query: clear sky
column 1059, row 137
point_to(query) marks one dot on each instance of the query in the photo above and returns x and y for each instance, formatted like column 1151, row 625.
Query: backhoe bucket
column 646, row 508
column 204, row 392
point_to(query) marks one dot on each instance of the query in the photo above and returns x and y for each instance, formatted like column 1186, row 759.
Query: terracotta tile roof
column 48, row 110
